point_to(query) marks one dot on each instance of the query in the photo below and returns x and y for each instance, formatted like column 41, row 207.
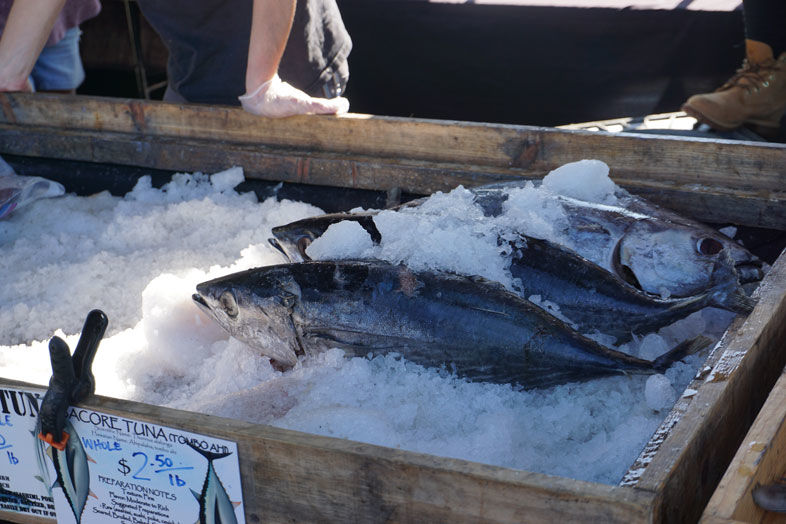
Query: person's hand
column 11, row 86
column 276, row 98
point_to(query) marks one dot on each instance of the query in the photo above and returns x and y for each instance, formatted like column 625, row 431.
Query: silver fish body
column 608, row 299
column 469, row 324
column 653, row 248
column 593, row 299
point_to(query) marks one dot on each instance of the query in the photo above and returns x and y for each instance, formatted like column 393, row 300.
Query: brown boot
column 755, row 95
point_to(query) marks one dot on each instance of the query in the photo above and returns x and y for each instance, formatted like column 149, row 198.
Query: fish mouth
column 199, row 301
column 749, row 271
column 278, row 247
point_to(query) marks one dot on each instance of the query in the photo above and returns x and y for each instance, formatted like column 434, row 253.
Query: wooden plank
column 419, row 156
column 761, row 459
column 717, row 205
column 693, row 457
column 288, row 476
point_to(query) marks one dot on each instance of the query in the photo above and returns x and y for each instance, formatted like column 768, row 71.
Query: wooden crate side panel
column 507, row 146
column 694, row 456
column 663, row 160
column 291, row 476
column 760, row 459
column 711, row 204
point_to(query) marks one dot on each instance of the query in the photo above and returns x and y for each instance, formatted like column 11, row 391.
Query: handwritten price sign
column 114, row 469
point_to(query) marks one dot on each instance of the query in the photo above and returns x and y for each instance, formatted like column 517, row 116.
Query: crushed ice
column 139, row 258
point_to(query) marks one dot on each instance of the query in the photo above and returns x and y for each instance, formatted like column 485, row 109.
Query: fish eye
column 228, row 303
column 287, row 299
column 302, row 244
column 709, row 246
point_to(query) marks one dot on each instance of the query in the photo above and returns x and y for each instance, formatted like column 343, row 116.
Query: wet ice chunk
column 584, row 180
column 346, row 239
column 226, row 180
column 652, row 346
column 659, row 393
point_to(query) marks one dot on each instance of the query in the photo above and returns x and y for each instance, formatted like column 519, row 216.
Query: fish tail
column 680, row 351
column 209, row 455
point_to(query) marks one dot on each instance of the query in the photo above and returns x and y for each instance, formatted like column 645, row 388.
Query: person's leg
column 59, row 66
column 765, row 21
column 756, row 94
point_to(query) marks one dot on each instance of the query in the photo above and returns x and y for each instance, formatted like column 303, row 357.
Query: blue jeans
column 59, row 66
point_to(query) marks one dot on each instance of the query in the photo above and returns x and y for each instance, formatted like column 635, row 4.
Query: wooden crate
column 760, row 459
column 291, row 476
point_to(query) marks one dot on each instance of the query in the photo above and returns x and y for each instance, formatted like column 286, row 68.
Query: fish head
column 293, row 239
column 256, row 307
column 674, row 261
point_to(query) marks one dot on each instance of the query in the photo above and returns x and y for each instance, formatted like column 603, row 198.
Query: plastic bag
column 17, row 191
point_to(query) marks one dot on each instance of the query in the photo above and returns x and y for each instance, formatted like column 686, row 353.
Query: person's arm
column 271, row 23
column 26, row 31
column 266, row 94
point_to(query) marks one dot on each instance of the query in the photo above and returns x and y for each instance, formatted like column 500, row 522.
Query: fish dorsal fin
column 196, row 495
column 91, row 494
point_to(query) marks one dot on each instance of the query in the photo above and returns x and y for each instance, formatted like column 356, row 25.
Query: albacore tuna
column 649, row 248
column 468, row 324
column 594, row 300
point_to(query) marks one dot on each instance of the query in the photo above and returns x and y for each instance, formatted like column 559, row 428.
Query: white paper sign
column 114, row 469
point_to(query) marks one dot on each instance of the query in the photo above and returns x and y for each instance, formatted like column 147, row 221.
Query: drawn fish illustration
column 214, row 504
column 40, row 454
column 73, row 472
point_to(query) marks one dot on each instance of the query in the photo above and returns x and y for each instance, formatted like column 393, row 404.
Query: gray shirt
column 208, row 47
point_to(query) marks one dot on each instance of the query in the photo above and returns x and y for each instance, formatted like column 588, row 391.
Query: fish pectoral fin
column 90, row 459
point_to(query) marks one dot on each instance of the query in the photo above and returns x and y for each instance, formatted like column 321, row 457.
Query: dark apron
column 208, row 48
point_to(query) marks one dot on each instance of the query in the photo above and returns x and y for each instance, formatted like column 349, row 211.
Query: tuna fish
column 469, row 324
column 214, row 504
column 592, row 297
column 653, row 250
column 292, row 239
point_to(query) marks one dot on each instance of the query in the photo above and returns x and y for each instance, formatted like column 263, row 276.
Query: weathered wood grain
column 692, row 459
column 760, row 459
column 700, row 177
column 288, row 476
